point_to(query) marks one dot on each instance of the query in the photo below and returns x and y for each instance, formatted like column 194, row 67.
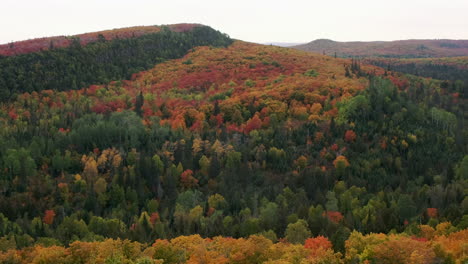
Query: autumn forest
column 179, row 144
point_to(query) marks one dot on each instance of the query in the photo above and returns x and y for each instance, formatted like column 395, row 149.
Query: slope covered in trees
column 452, row 70
column 97, row 58
column 390, row 49
column 237, row 141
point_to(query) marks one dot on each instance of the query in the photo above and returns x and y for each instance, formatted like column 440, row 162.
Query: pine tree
column 138, row 104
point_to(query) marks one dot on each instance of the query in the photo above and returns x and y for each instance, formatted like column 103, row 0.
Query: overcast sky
column 251, row 20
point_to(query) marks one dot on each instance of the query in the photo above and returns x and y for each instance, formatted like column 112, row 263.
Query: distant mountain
column 283, row 44
column 391, row 49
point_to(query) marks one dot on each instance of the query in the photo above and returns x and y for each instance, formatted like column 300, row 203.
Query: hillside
column 270, row 153
column 97, row 58
column 390, row 49
column 454, row 70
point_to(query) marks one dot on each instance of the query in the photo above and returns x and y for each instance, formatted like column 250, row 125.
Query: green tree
column 298, row 232
column 269, row 216
column 461, row 170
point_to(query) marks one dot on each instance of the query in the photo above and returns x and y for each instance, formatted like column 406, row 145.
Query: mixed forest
column 181, row 145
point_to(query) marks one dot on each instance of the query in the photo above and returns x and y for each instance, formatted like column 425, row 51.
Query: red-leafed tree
column 350, row 136
column 100, row 108
column 254, row 123
column 49, row 217
column 432, row 212
column 13, row 115
column 334, row 216
column 187, row 180
column 315, row 243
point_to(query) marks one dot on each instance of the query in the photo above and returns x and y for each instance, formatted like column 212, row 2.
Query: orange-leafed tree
column 453, row 247
column 409, row 251
column 301, row 162
column 341, row 161
column 316, row 108
column 39, row 254
column 426, row 231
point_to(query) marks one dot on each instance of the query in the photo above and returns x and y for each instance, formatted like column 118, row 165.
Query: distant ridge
column 283, row 44
column 413, row 48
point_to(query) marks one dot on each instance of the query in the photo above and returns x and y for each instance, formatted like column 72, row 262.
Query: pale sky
column 250, row 20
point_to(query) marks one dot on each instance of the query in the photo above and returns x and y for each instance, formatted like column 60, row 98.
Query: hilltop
column 391, row 49
column 47, row 43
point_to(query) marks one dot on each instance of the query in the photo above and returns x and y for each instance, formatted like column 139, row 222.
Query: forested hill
column 389, row 49
column 96, row 58
column 236, row 141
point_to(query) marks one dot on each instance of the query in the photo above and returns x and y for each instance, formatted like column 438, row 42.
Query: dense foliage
column 237, row 141
column 438, row 245
column 453, row 71
column 83, row 63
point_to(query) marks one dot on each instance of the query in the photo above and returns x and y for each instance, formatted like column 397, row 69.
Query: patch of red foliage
column 333, row 216
column 432, row 212
column 49, row 217
column 315, row 243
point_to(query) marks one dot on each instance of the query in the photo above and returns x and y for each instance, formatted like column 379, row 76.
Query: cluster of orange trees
column 436, row 246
